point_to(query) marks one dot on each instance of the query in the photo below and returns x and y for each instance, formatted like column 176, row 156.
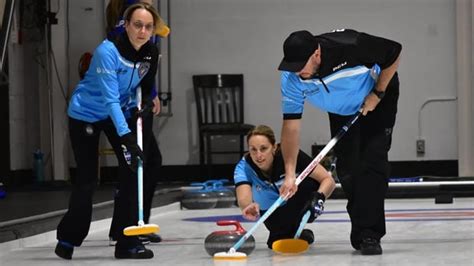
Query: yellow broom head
column 161, row 29
column 290, row 246
column 145, row 229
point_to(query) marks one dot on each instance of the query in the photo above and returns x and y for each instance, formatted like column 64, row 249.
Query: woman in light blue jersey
column 101, row 102
column 258, row 177
column 151, row 169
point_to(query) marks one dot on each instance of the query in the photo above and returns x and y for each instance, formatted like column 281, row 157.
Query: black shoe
column 144, row 239
column 153, row 238
column 64, row 250
column 355, row 239
column 370, row 246
column 355, row 244
column 307, row 235
column 138, row 252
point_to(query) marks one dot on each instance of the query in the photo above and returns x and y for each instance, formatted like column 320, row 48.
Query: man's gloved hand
column 131, row 151
column 147, row 108
column 315, row 206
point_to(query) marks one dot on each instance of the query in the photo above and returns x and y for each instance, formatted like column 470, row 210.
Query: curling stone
column 226, row 196
column 222, row 241
column 203, row 198
column 222, row 180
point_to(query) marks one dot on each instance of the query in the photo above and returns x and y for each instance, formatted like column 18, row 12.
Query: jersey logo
column 121, row 71
column 143, row 69
column 339, row 66
column 311, row 92
column 101, row 70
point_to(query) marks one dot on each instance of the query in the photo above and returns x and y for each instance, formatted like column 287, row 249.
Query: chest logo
column 339, row 66
column 143, row 69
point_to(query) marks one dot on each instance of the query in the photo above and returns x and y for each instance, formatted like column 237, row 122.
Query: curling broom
column 141, row 228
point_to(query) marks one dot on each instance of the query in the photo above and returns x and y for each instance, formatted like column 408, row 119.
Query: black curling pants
column 151, row 170
column 74, row 226
column 362, row 165
column 285, row 220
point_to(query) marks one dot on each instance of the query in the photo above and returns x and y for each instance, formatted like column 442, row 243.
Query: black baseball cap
column 297, row 49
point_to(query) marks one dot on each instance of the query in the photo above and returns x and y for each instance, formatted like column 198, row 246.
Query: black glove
column 315, row 206
column 131, row 151
column 147, row 108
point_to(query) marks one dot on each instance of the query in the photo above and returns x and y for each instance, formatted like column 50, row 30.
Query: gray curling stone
column 222, row 241
column 204, row 198
column 226, row 197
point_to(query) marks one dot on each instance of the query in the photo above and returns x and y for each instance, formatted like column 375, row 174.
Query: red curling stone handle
column 238, row 227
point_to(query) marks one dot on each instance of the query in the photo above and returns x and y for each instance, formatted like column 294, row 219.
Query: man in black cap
column 342, row 72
